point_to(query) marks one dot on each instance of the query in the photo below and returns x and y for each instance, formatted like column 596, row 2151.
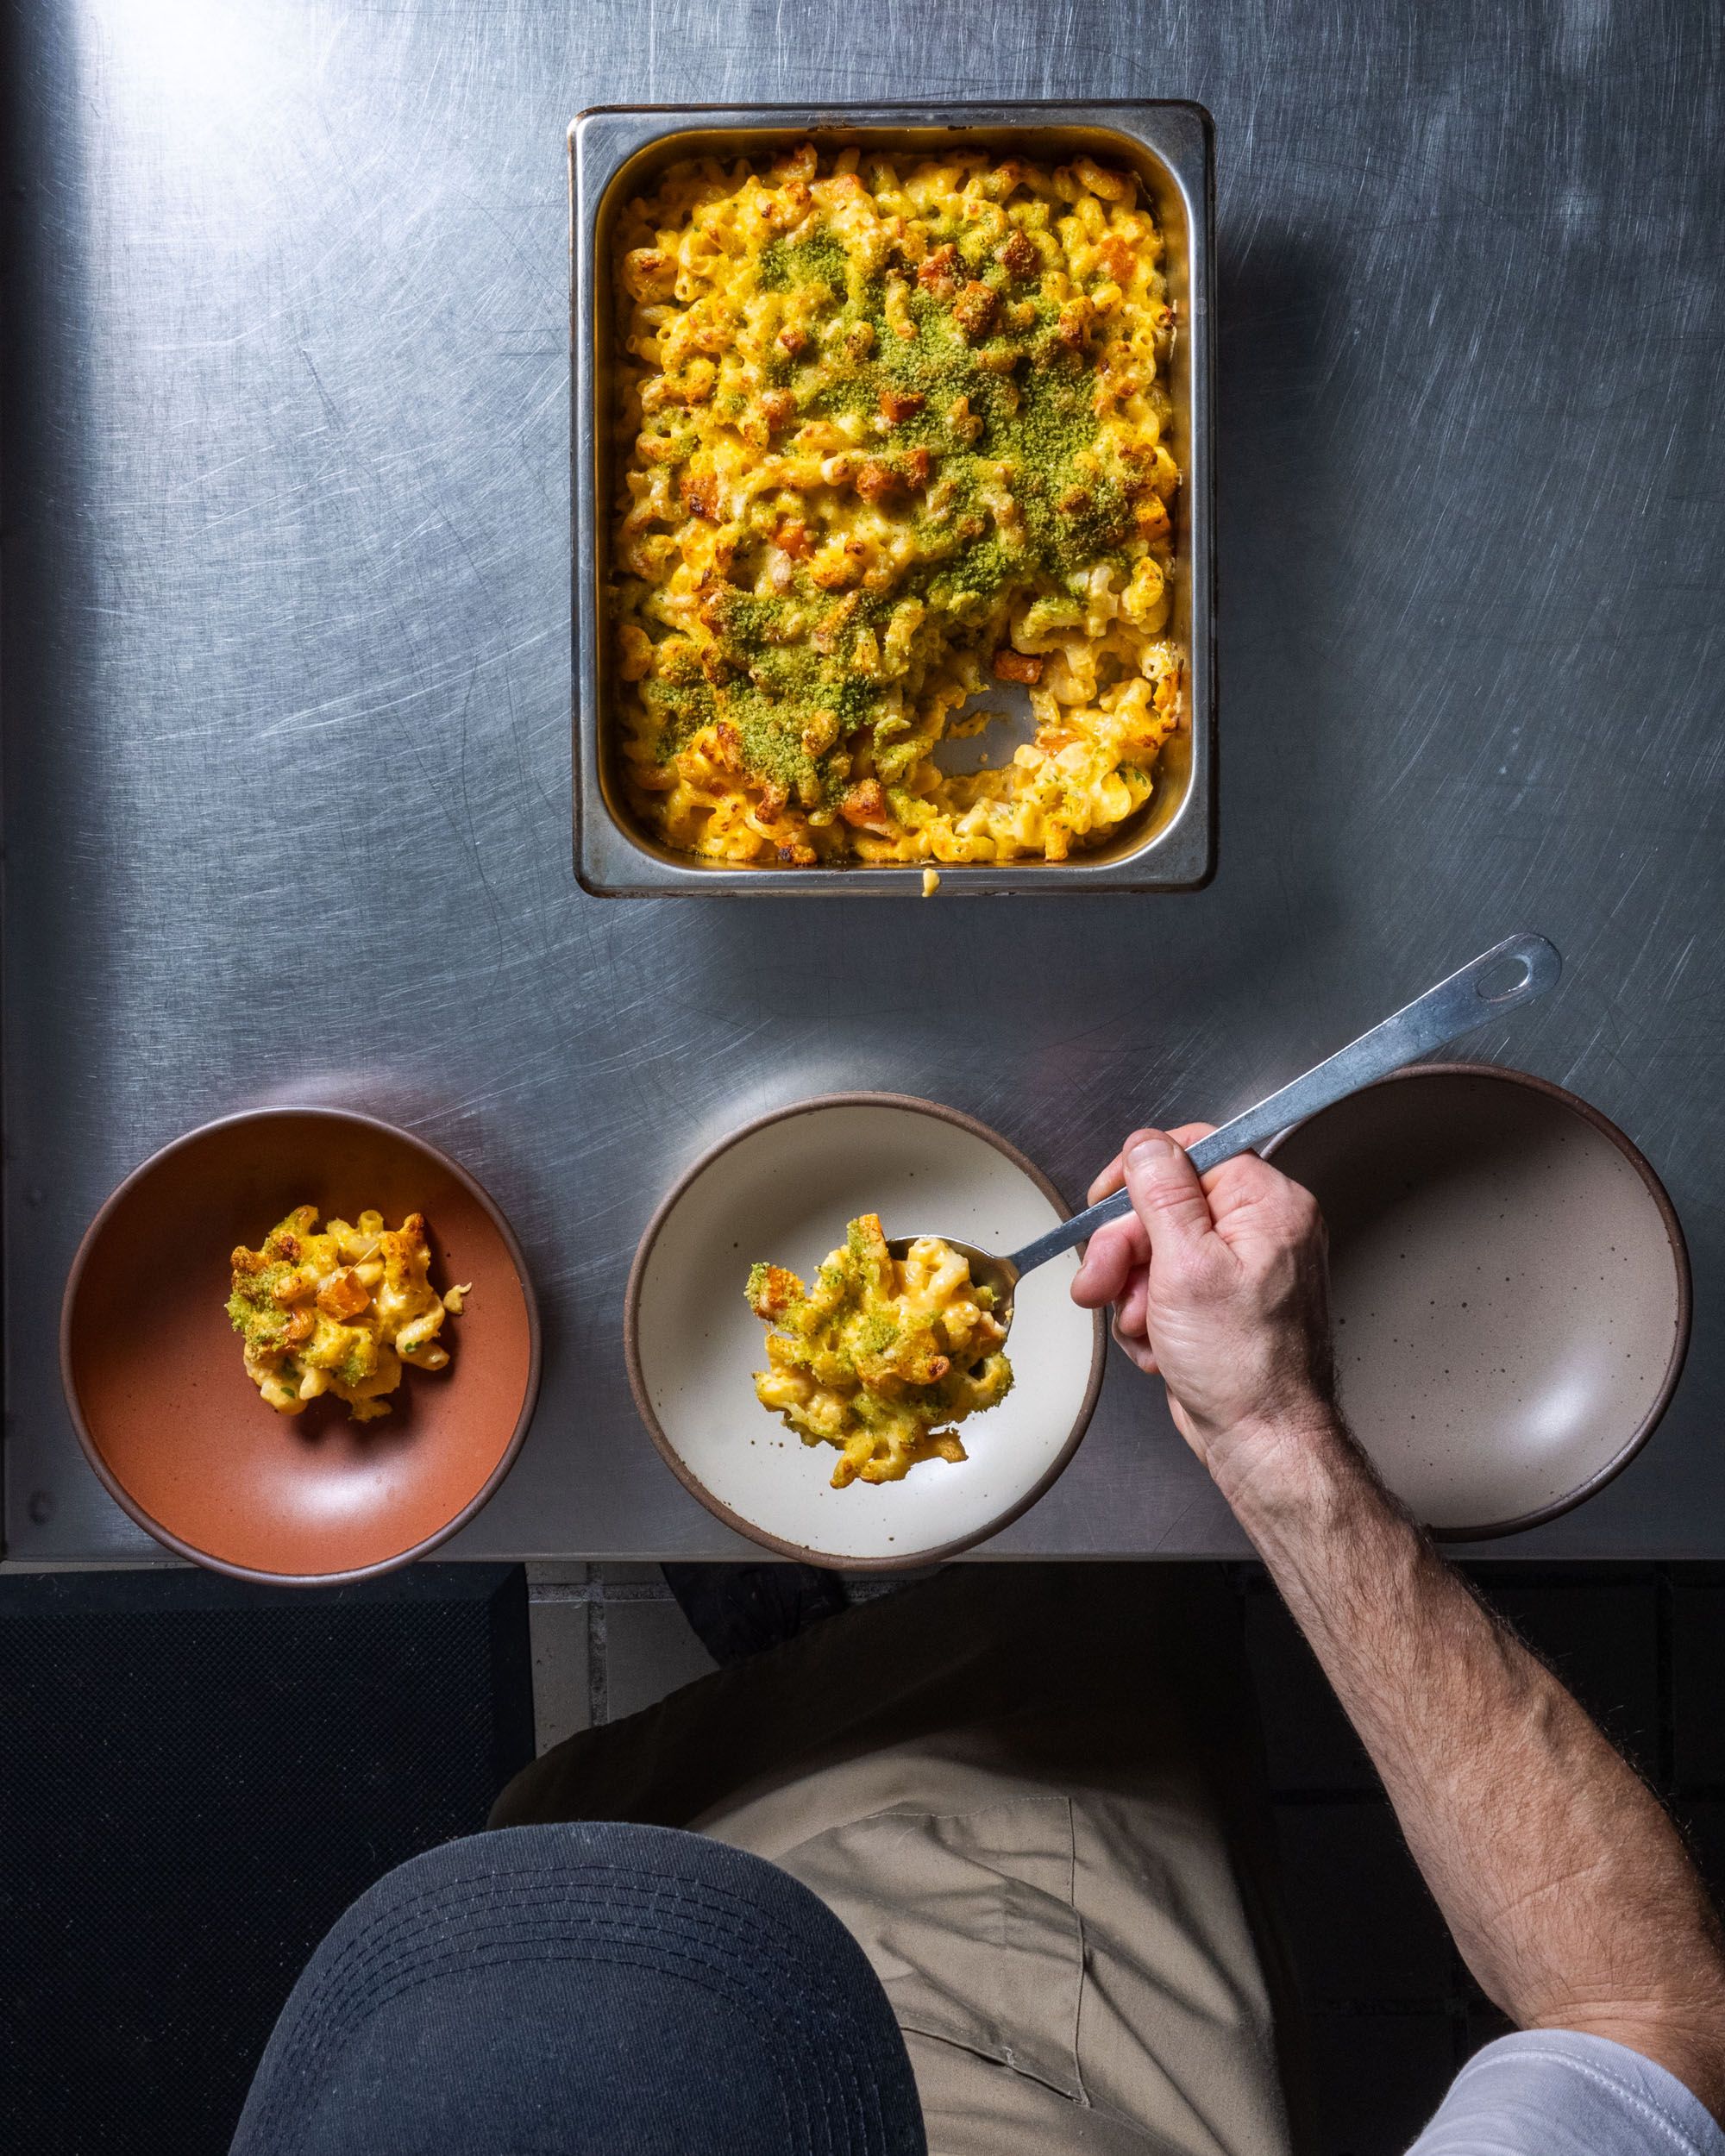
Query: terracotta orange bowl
column 175, row 1428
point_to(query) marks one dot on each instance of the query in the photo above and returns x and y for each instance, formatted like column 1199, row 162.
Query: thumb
column 1166, row 1193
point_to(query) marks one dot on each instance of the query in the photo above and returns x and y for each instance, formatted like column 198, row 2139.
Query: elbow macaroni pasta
column 880, row 1357
column 891, row 426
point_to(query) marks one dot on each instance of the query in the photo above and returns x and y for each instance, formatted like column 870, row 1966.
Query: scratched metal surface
column 287, row 665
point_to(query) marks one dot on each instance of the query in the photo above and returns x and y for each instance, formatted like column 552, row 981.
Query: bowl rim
column 691, row 1482
column 123, row 1498
column 1674, row 1235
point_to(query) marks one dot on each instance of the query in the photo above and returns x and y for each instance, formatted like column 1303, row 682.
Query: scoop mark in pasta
column 340, row 1312
column 881, row 1358
column 891, row 428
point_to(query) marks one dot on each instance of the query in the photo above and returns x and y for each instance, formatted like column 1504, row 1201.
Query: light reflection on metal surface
column 194, row 60
column 287, row 683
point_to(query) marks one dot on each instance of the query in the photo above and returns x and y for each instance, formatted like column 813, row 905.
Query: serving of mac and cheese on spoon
column 883, row 1356
column 897, row 1338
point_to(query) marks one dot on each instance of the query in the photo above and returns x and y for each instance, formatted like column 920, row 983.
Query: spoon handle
column 1499, row 980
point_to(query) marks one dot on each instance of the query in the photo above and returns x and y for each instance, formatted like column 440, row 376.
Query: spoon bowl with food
column 888, row 1349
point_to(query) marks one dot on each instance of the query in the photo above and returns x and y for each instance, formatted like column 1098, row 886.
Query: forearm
column 1564, row 1884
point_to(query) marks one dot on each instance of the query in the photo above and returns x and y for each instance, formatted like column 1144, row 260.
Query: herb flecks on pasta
column 341, row 1312
column 880, row 1357
column 893, row 429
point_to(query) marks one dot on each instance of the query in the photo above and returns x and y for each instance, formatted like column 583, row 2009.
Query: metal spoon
column 1501, row 979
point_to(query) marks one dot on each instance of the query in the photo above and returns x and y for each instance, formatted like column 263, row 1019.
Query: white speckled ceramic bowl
column 783, row 1188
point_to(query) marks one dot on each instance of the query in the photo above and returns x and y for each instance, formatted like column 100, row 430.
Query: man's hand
column 1219, row 1287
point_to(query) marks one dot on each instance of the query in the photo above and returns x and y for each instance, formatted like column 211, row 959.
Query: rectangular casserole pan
column 617, row 152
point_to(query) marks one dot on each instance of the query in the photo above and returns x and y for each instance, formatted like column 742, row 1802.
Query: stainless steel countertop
column 287, row 655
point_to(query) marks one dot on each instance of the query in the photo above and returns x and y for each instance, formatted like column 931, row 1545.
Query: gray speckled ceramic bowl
column 1509, row 1285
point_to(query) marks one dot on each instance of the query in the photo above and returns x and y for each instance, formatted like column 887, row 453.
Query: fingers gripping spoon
column 1511, row 973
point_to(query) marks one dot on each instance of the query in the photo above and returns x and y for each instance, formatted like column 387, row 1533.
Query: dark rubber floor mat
column 198, row 1777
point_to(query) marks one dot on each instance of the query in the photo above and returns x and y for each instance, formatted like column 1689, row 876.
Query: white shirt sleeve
column 1554, row 2093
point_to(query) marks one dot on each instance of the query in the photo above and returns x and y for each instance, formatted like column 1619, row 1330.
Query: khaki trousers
column 1032, row 1793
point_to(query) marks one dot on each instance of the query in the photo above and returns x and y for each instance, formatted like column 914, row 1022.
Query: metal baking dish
column 616, row 153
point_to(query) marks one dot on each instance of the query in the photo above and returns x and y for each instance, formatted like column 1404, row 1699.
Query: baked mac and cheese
column 341, row 1312
column 892, row 427
column 880, row 1357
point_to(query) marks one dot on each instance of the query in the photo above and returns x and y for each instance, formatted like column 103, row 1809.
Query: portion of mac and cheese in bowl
column 343, row 1311
column 892, row 427
column 880, row 1357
